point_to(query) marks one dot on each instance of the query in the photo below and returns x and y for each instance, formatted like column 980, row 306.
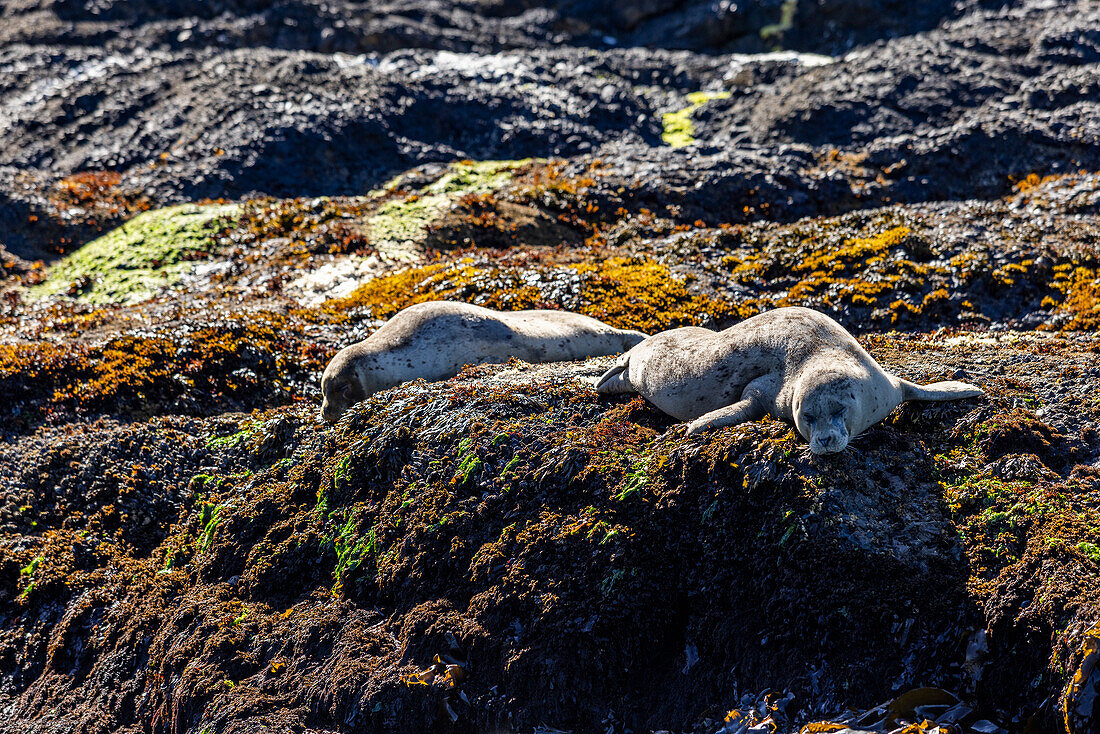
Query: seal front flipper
column 615, row 381
column 742, row 411
column 949, row 390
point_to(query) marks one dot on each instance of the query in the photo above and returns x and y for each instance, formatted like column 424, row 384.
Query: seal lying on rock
column 435, row 340
column 794, row 363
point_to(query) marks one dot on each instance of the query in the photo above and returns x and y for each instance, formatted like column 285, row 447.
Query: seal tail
column 949, row 390
column 614, row 381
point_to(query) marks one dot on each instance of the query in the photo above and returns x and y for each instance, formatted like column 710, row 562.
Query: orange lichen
column 485, row 220
column 550, row 188
column 1080, row 287
column 935, row 302
column 92, row 197
column 88, row 186
column 315, row 225
column 638, row 292
column 862, row 272
column 861, row 251
column 1006, row 275
column 551, row 176
column 128, row 364
column 1033, row 181
column 135, row 372
column 464, row 280
column 614, row 446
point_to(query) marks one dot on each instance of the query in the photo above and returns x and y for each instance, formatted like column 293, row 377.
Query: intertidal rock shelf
column 201, row 202
column 580, row 560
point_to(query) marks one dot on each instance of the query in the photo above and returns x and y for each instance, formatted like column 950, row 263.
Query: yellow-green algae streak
column 679, row 130
column 147, row 253
column 786, row 21
column 398, row 226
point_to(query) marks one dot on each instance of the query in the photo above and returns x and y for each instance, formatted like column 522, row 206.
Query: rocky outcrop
column 201, row 202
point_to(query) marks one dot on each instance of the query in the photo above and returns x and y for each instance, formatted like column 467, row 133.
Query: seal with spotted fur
column 435, row 340
column 793, row 363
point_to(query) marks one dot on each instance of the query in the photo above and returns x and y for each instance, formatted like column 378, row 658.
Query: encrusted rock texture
column 200, row 202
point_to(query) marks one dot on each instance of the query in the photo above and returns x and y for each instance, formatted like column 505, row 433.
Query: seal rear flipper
column 949, row 390
column 615, row 381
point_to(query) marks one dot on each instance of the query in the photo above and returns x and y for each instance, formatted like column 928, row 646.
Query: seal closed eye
column 435, row 340
column 793, row 363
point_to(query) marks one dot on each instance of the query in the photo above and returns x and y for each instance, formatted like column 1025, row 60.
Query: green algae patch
column 147, row 253
column 401, row 224
column 679, row 130
column 786, row 21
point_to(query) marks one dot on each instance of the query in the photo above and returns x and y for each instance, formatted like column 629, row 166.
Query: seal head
column 827, row 413
column 342, row 386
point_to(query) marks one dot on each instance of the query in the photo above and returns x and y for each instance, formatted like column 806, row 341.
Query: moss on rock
column 152, row 250
column 679, row 130
column 400, row 225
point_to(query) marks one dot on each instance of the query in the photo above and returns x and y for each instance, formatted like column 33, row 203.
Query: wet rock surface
column 951, row 107
column 201, row 202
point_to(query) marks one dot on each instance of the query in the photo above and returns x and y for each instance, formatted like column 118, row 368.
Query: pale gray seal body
column 793, row 363
column 435, row 340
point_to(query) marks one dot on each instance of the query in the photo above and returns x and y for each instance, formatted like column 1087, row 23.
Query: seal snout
column 329, row 412
column 828, row 437
column 830, row 443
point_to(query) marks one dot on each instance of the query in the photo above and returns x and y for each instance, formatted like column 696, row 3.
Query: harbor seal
column 793, row 363
column 435, row 340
